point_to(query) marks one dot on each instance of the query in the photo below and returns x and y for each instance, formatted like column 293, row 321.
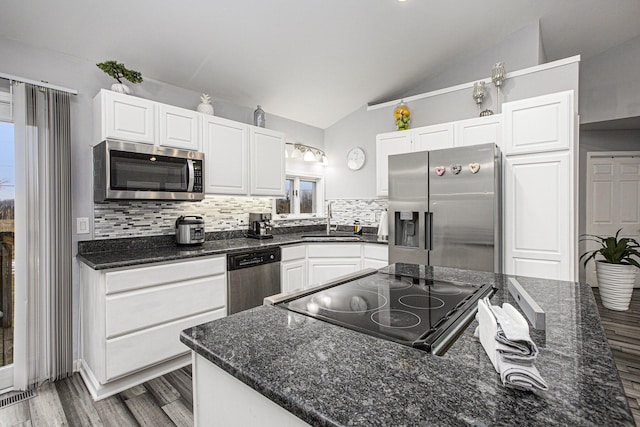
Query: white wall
column 610, row 84
column 360, row 127
column 64, row 70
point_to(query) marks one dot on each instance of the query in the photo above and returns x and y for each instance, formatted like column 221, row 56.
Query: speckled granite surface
column 101, row 255
column 331, row 376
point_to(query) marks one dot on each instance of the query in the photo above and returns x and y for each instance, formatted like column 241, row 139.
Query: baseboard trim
column 100, row 391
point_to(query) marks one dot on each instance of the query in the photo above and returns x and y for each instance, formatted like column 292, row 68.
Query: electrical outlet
column 241, row 221
column 372, row 217
column 82, row 225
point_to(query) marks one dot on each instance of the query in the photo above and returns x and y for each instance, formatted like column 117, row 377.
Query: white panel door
column 538, row 208
column 267, row 173
column 293, row 275
column 128, row 117
column 226, row 148
column 388, row 144
column 433, row 137
column 323, row 270
column 613, row 200
column 480, row 130
column 179, row 127
column 543, row 123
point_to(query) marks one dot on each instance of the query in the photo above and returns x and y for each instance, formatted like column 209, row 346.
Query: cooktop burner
column 419, row 312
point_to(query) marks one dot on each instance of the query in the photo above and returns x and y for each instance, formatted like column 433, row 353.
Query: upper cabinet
column 179, row 127
column 432, row 137
column 543, row 123
column 480, row 130
column 129, row 118
column 388, row 144
column 226, row 147
column 267, row 174
column 124, row 117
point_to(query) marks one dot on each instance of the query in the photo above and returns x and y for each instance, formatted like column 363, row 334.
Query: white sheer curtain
column 47, row 255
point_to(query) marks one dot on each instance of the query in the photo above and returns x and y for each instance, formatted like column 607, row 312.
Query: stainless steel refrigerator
column 445, row 209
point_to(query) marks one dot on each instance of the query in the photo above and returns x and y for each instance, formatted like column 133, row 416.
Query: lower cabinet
column 131, row 319
column 375, row 255
column 293, row 268
column 328, row 261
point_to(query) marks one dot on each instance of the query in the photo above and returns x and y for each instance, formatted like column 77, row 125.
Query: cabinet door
column 127, row 117
column 539, row 226
column 432, row 137
column 481, row 130
column 226, row 149
column 179, row 127
column 325, row 269
column 375, row 255
column 293, row 275
column 388, row 144
column 543, row 123
column 267, row 173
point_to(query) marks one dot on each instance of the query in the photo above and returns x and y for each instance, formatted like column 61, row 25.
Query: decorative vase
column 120, row 88
column 615, row 282
column 259, row 117
column 402, row 116
column 205, row 106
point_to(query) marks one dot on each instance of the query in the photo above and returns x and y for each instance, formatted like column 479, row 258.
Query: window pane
column 283, row 206
column 307, row 196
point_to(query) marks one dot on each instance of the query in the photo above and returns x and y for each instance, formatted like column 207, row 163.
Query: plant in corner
column 616, row 273
column 118, row 71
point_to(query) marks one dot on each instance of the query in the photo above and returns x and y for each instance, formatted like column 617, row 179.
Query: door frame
column 589, row 188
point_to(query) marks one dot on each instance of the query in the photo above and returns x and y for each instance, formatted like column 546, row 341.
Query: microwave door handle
column 191, row 175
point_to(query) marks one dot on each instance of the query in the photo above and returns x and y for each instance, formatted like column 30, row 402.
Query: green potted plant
column 616, row 272
column 118, row 71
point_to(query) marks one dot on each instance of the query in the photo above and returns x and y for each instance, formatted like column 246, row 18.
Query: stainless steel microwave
column 127, row 170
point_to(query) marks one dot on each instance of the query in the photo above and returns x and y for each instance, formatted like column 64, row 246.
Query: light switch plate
column 82, row 225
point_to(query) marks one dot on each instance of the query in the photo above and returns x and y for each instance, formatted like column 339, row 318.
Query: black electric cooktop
column 419, row 312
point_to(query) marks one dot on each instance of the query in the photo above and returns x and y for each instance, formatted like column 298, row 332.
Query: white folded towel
column 515, row 375
column 504, row 334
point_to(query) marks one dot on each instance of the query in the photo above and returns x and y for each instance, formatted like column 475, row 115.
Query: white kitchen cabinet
column 433, row 137
column 539, row 216
column 374, row 255
column 388, row 144
column 543, row 123
column 131, row 318
column 226, row 149
column 267, row 165
column 123, row 117
column 179, row 127
column 479, row 130
column 293, row 268
column 328, row 261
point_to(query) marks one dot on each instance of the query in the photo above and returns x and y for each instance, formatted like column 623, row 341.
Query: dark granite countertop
column 136, row 252
column 331, row 376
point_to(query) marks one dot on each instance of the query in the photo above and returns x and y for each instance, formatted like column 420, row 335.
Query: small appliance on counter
column 260, row 226
column 190, row 230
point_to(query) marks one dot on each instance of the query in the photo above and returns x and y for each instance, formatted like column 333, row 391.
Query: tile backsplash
column 221, row 213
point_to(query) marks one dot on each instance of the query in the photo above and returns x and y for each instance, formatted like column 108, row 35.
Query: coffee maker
column 260, row 226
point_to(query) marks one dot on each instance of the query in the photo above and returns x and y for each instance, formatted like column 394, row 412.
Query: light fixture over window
column 306, row 153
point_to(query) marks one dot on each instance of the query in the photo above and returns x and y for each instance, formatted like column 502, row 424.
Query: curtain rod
column 41, row 83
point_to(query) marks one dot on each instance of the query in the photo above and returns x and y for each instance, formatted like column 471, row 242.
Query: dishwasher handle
column 253, row 258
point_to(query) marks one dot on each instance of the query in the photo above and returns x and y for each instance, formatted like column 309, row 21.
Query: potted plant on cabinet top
column 616, row 273
column 119, row 71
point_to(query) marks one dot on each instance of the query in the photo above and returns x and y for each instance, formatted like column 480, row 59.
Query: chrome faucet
column 328, row 218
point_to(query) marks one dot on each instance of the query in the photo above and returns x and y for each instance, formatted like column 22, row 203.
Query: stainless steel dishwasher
column 252, row 276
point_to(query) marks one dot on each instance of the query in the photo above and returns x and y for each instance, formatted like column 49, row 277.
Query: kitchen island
column 330, row 376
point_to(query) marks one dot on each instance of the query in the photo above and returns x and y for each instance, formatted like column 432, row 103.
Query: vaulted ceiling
column 313, row 61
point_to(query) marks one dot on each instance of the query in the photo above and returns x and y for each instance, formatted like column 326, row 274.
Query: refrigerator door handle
column 428, row 230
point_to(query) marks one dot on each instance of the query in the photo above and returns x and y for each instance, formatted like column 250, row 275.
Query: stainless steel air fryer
column 190, row 230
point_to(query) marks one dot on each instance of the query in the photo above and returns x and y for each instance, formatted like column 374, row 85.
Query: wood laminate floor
column 623, row 333
column 163, row 401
